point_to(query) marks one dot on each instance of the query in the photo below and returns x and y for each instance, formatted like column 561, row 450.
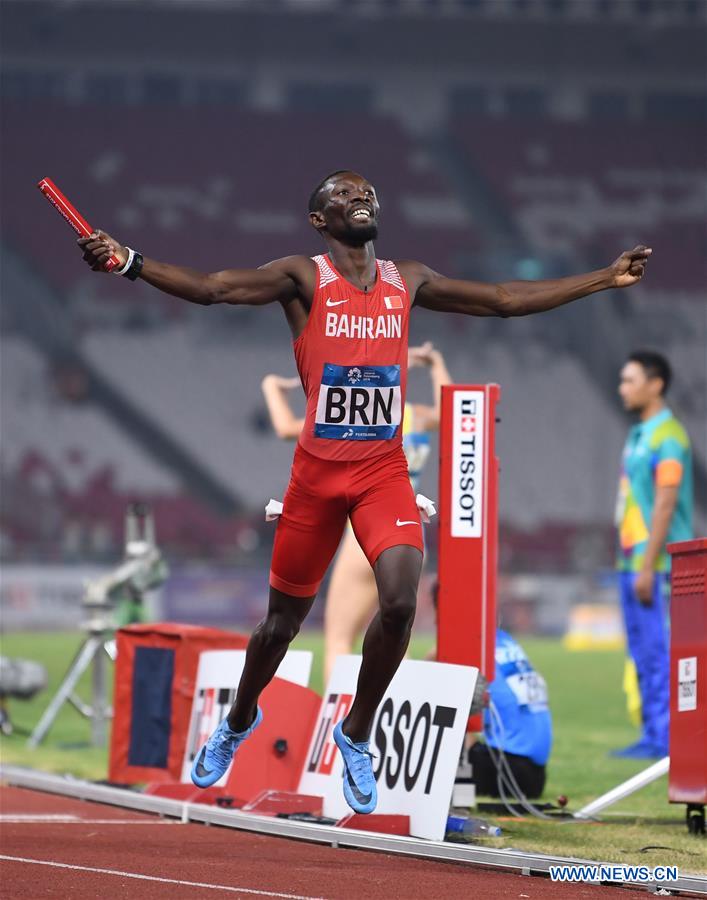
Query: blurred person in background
column 654, row 508
column 349, row 314
column 517, row 721
column 352, row 596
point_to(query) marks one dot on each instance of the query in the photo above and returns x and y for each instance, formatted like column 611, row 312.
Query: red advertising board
column 155, row 674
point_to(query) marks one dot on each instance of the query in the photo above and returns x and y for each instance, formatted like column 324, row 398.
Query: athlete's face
column 350, row 211
column 636, row 389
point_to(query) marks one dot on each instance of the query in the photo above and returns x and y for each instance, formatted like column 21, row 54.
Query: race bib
column 358, row 403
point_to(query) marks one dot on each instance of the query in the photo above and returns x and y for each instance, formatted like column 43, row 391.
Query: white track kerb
column 513, row 860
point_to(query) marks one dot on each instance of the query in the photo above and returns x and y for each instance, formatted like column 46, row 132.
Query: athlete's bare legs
column 266, row 649
column 397, row 573
column 351, row 600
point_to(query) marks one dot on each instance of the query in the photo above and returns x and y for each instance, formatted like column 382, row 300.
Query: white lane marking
column 50, row 819
column 38, row 817
column 201, row 884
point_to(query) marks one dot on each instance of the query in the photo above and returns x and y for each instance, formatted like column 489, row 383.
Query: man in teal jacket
column 654, row 508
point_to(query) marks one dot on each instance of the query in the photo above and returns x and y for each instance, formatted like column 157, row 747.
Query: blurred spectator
column 654, row 507
column 517, row 721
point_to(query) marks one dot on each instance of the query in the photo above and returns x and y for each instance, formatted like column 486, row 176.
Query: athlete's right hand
column 98, row 249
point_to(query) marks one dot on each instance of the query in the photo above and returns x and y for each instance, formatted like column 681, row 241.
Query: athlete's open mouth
column 361, row 214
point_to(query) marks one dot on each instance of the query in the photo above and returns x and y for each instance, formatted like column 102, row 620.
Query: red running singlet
column 349, row 462
column 352, row 360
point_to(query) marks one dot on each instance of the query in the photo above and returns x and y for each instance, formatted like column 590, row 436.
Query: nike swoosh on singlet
column 331, row 302
column 362, row 798
column 398, row 523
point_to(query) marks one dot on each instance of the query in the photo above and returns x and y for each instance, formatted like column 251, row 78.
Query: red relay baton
column 69, row 212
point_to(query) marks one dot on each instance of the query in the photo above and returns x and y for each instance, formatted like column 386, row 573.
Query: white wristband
column 131, row 257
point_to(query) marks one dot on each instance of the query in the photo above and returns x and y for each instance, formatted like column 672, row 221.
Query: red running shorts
column 375, row 494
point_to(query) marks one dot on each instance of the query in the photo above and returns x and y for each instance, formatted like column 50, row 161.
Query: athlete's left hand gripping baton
column 68, row 211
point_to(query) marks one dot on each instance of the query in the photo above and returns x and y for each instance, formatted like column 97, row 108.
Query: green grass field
column 589, row 719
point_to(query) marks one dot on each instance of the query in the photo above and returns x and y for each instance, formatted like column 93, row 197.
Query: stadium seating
column 582, row 191
column 69, row 471
column 214, row 187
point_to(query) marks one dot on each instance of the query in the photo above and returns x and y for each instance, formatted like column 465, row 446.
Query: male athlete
column 348, row 313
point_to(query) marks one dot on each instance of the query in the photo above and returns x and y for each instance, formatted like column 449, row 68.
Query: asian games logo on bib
column 354, row 375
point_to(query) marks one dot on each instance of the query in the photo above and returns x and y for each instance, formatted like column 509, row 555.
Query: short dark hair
column 315, row 203
column 655, row 365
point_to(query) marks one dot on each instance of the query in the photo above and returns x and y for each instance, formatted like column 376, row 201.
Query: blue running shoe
column 215, row 756
column 623, row 751
column 642, row 749
column 359, row 784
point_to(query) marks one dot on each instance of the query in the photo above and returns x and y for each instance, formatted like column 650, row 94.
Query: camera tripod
column 142, row 569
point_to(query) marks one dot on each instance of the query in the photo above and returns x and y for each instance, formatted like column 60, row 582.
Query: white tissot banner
column 217, row 678
column 467, row 464
column 416, row 740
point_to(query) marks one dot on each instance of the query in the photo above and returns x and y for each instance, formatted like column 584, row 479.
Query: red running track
column 54, row 846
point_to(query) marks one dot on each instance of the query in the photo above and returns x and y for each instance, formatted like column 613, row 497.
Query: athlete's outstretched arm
column 520, row 298
column 276, row 281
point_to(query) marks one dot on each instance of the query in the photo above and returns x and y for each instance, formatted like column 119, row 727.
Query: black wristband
column 135, row 267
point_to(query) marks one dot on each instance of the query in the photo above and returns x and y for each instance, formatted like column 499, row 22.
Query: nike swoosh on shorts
column 399, row 523
column 331, row 302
